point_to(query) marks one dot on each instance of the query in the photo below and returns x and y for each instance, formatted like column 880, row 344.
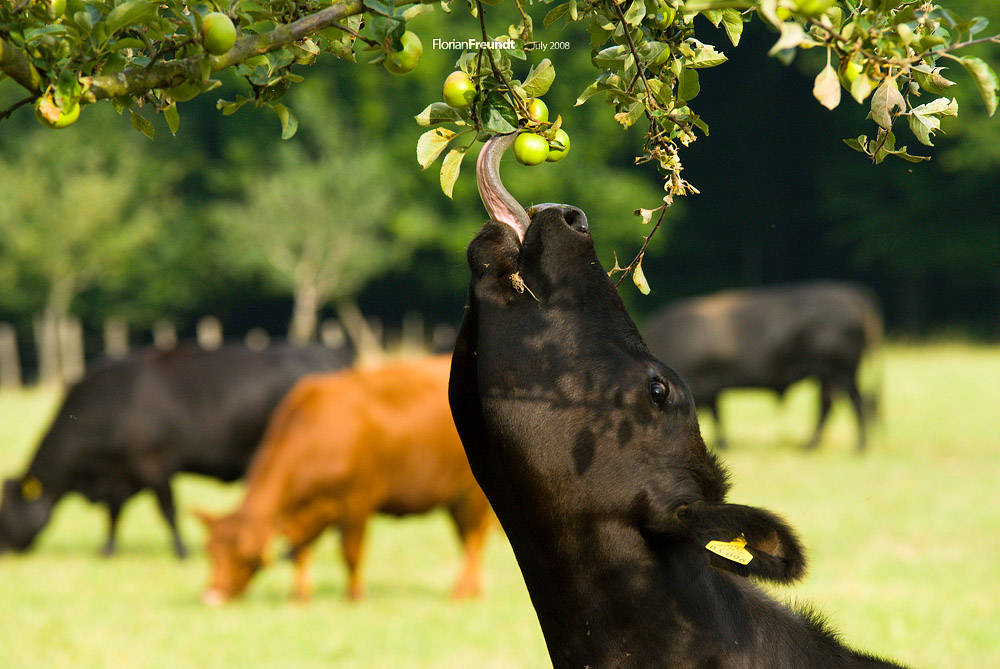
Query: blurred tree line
column 228, row 219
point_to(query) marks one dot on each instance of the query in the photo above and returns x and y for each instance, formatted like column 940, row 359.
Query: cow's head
column 25, row 508
column 237, row 548
column 571, row 425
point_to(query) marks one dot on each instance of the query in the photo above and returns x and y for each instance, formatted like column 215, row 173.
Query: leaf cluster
column 647, row 56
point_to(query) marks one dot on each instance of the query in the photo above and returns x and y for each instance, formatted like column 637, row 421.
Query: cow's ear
column 745, row 540
column 205, row 517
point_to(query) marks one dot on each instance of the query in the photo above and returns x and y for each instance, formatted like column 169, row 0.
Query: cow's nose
column 576, row 219
column 572, row 216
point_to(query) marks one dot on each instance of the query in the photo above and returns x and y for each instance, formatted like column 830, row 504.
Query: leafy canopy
column 892, row 55
column 647, row 54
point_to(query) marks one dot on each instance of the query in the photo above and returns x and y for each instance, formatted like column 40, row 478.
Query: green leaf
column 497, row 115
column 613, row 56
column 127, row 43
column 289, row 124
column 826, row 87
column 380, row 7
column 437, row 112
column 431, row 144
column 539, row 79
column 415, row 11
column 37, row 33
column 450, row 167
column 646, row 215
column 592, row 90
column 732, row 21
column 921, row 127
column 861, row 88
column 938, row 107
column 791, row 36
column 985, row 78
column 713, row 15
column 639, row 279
column 172, row 117
column 931, row 80
column 555, row 14
column 636, row 13
column 688, row 85
column 705, row 55
column 229, row 108
column 885, row 101
column 692, row 6
column 858, row 144
column 127, row 13
column 142, row 125
column 630, row 115
column 924, row 120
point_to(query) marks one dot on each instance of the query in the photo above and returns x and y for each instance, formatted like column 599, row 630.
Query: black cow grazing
column 133, row 423
column 771, row 338
column 588, row 447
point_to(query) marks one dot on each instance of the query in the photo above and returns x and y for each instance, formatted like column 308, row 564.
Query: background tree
column 74, row 215
column 322, row 218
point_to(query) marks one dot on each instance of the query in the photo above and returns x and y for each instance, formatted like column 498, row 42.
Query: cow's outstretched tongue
column 500, row 205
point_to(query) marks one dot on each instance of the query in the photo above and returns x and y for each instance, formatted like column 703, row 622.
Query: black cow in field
column 771, row 338
column 589, row 450
column 133, row 423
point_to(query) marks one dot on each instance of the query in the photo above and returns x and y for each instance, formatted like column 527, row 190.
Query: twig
column 354, row 34
column 635, row 55
column 642, row 251
column 15, row 63
column 496, row 70
column 5, row 113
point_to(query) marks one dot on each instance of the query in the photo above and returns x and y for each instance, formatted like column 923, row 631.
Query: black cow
column 133, row 423
column 771, row 338
column 588, row 447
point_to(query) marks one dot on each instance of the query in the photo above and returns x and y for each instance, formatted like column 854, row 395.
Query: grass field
column 904, row 546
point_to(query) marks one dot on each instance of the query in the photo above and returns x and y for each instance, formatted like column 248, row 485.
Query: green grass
column 903, row 544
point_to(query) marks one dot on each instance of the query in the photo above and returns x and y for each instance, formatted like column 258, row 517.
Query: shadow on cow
column 589, row 450
column 340, row 448
column 131, row 424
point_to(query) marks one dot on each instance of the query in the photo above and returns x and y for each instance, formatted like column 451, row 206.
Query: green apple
column 555, row 153
column 459, row 91
column 661, row 17
column 538, row 110
column 401, row 62
column 66, row 117
column 530, row 149
column 218, row 34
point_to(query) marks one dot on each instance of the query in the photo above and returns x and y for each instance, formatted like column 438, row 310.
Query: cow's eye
column 658, row 392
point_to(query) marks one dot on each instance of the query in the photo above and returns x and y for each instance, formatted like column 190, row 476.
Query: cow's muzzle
column 572, row 216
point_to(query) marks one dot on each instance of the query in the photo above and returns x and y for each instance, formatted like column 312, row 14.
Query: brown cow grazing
column 339, row 448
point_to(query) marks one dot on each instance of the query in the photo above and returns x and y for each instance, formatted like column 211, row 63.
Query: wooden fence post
column 47, row 348
column 412, row 338
column 115, row 338
column 10, row 364
column 257, row 339
column 332, row 334
column 164, row 335
column 71, row 352
column 209, row 333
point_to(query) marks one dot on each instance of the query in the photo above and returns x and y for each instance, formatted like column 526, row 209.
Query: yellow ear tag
column 31, row 489
column 734, row 550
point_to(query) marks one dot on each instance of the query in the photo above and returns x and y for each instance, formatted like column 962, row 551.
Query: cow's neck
column 595, row 611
